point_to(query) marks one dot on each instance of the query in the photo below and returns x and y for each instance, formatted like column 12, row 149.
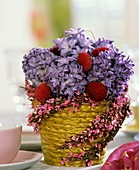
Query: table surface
column 120, row 139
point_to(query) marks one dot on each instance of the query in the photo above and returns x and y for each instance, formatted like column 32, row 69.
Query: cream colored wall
column 115, row 19
column 14, row 35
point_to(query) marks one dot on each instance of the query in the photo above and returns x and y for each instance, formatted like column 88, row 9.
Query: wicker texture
column 60, row 126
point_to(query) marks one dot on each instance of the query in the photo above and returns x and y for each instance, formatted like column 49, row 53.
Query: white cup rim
column 5, row 125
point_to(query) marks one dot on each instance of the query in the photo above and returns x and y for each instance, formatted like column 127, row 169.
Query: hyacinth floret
column 74, row 43
column 101, row 42
column 65, row 79
column 36, row 64
column 112, row 68
column 74, row 32
column 63, row 73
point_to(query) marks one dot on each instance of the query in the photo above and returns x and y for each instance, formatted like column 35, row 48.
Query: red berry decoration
column 85, row 60
column 96, row 91
column 96, row 51
column 42, row 93
column 55, row 50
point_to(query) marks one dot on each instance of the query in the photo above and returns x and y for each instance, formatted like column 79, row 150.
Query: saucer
column 23, row 160
column 49, row 167
column 95, row 167
column 136, row 137
column 130, row 130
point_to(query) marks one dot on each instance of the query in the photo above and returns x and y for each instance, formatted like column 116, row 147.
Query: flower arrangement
column 78, row 71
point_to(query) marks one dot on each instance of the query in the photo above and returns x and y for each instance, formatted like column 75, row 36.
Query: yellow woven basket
column 60, row 126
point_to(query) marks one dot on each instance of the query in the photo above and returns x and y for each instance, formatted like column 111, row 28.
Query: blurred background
column 29, row 23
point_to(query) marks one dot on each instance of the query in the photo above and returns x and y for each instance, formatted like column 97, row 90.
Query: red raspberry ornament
column 85, row 60
column 55, row 50
column 96, row 91
column 42, row 93
column 96, row 51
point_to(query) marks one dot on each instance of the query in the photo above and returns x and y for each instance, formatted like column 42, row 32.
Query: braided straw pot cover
column 60, row 126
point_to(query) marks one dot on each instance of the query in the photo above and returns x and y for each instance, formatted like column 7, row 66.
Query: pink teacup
column 10, row 140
